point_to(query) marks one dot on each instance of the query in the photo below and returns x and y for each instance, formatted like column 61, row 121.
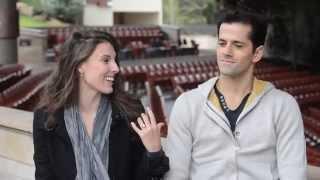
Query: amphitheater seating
column 283, row 83
column 25, row 89
column 11, row 74
column 163, row 72
column 182, row 76
column 135, row 41
column 314, row 112
column 313, row 125
column 301, row 89
column 6, row 70
column 313, row 156
column 157, row 104
column 125, row 34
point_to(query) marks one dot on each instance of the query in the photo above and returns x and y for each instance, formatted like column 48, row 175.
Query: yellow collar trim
column 213, row 98
column 258, row 88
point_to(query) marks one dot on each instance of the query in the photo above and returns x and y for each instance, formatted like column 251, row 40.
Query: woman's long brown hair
column 62, row 87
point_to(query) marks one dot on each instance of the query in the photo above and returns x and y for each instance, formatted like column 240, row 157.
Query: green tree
column 170, row 11
column 188, row 11
column 65, row 10
column 209, row 12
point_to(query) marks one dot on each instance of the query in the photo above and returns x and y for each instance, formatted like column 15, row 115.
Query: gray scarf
column 91, row 155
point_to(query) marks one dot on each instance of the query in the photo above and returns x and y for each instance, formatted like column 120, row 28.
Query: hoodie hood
column 260, row 88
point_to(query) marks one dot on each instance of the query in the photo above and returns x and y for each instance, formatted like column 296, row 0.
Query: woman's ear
column 80, row 70
column 258, row 53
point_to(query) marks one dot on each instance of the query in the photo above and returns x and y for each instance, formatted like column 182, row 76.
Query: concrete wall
column 16, row 144
column 141, row 18
column 144, row 12
column 97, row 16
column 141, row 6
column 137, row 5
column 172, row 31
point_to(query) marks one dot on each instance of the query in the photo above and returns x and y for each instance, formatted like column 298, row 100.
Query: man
column 234, row 126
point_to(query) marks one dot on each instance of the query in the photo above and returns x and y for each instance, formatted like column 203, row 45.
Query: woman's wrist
column 155, row 153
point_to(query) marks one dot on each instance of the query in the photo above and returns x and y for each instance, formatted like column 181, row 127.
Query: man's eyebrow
column 238, row 42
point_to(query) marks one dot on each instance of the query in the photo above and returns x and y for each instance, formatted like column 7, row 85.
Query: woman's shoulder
column 42, row 115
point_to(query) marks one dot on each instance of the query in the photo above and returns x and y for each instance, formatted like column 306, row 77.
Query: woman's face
column 98, row 72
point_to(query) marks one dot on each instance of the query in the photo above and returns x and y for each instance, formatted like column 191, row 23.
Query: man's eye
column 221, row 43
column 239, row 45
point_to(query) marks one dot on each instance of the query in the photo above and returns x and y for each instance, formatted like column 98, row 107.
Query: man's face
column 235, row 54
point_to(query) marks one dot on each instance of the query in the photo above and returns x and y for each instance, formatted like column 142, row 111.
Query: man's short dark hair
column 257, row 22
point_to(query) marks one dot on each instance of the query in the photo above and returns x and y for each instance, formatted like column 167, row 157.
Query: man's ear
column 258, row 53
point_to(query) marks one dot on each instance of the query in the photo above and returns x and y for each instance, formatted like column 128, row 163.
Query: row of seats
column 304, row 88
column 124, row 34
column 135, row 42
column 314, row 112
column 282, row 75
column 24, row 90
column 183, row 83
column 11, row 74
column 312, row 139
column 173, row 68
column 313, row 156
column 306, row 94
column 168, row 70
column 311, row 119
column 6, row 70
column 265, row 69
column 141, row 50
column 283, row 83
column 157, row 104
column 308, row 99
column 313, row 125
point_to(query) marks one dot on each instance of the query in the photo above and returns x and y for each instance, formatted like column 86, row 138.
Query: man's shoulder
column 281, row 94
column 281, row 97
column 190, row 98
column 194, row 94
column 203, row 88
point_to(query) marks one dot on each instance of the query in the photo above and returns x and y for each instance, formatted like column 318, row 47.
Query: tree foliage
column 65, row 10
column 188, row 11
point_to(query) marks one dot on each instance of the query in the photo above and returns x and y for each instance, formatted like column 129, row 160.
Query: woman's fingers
column 145, row 119
column 151, row 117
column 141, row 123
column 160, row 125
column 135, row 128
column 149, row 131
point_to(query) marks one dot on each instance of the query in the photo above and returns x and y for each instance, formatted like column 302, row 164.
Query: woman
column 82, row 129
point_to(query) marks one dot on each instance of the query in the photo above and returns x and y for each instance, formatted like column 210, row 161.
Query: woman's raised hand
column 149, row 131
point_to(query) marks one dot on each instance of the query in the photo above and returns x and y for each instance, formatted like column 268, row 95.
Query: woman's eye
column 106, row 60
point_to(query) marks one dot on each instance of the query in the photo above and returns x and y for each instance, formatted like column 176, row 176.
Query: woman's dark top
column 128, row 159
